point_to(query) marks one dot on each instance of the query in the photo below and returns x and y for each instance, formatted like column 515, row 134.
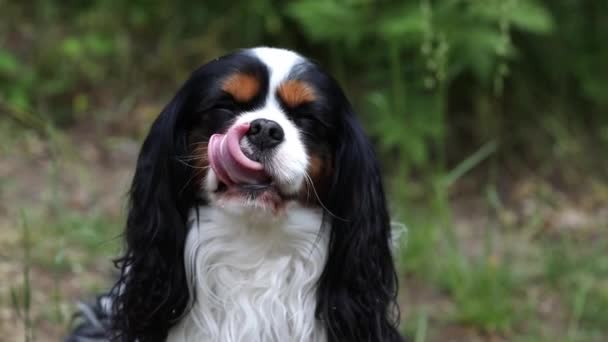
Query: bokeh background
column 491, row 119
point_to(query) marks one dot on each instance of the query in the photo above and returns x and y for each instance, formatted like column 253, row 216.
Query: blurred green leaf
column 406, row 22
column 8, row 62
column 72, row 47
column 530, row 16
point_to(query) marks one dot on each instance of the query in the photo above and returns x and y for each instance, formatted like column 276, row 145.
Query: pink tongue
column 229, row 162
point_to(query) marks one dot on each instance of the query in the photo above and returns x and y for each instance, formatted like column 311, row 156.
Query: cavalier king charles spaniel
column 257, row 213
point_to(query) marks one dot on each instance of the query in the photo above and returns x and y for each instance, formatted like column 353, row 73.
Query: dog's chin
column 266, row 197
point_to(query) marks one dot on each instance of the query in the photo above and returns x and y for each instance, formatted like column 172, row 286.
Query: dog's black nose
column 265, row 134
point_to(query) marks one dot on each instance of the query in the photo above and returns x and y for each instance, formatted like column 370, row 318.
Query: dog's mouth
column 238, row 175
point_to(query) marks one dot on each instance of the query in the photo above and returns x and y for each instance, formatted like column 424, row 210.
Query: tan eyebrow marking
column 242, row 87
column 294, row 93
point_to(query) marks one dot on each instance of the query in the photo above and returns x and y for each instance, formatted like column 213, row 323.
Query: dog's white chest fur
column 253, row 276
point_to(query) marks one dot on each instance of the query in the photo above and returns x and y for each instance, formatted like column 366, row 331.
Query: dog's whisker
column 312, row 185
column 193, row 158
column 196, row 167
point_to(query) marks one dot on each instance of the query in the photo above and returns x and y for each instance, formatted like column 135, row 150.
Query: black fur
column 357, row 293
column 152, row 286
column 357, row 290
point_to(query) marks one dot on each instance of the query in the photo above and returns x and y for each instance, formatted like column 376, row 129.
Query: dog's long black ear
column 152, row 291
column 357, row 290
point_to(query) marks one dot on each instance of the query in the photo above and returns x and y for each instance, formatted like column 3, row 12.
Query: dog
column 257, row 213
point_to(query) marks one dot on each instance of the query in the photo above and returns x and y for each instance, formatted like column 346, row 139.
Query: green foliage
column 484, row 294
column 21, row 298
column 414, row 52
column 421, row 72
column 568, row 266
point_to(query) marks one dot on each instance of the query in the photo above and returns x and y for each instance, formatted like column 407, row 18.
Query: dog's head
column 264, row 132
column 258, row 130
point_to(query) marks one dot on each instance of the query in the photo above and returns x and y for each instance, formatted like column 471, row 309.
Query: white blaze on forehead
column 279, row 62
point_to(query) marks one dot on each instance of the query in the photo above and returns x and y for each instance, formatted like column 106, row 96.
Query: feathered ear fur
column 152, row 291
column 357, row 290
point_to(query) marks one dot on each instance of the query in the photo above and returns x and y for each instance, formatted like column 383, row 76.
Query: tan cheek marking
column 320, row 171
column 294, row 93
column 315, row 167
column 242, row 87
column 200, row 161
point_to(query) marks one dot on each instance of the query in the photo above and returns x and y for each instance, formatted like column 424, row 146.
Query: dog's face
column 262, row 132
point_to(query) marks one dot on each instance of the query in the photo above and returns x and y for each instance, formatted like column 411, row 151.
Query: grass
column 503, row 277
column 473, row 267
column 56, row 242
column 21, row 297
